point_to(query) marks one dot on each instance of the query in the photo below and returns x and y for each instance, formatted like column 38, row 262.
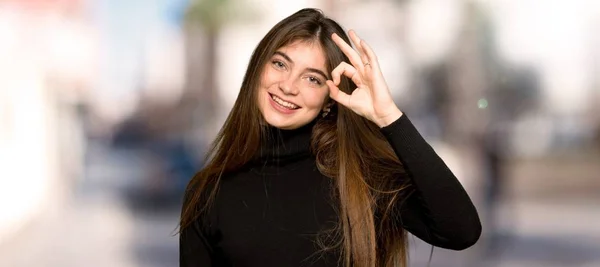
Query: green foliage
column 213, row 14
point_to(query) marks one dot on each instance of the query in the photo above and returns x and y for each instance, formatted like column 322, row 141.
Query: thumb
column 336, row 94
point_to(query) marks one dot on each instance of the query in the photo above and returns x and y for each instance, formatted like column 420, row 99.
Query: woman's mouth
column 282, row 103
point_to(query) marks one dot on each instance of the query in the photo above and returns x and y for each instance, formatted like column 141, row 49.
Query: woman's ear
column 327, row 108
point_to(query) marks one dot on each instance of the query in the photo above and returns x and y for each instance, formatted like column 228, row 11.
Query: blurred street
column 540, row 224
column 95, row 226
column 547, row 220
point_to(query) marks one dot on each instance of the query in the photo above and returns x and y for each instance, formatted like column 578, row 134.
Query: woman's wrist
column 389, row 119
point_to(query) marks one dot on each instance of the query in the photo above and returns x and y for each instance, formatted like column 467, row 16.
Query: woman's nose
column 288, row 87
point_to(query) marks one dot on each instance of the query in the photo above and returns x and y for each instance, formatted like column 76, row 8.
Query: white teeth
column 283, row 103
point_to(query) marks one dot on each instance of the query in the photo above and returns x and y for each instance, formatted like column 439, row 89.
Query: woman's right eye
column 278, row 64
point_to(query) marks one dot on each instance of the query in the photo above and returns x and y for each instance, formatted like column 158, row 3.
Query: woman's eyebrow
column 284, row 56
column 319, row 72
column 309, row 69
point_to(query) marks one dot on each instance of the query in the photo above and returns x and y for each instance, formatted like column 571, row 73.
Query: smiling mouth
column 283, row 103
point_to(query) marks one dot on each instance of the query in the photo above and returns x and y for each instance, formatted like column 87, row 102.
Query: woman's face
column 292, row 89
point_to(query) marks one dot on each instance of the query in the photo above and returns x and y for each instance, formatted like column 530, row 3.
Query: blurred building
column 43, row 48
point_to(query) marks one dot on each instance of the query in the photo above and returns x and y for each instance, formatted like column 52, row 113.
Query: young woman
column 316, row 165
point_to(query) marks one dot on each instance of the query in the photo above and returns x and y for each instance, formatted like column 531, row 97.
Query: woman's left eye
column 315, row 80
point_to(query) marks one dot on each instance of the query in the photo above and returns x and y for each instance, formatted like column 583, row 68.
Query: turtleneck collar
column 280, row 146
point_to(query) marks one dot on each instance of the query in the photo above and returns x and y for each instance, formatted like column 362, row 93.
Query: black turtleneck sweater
column 270, row 213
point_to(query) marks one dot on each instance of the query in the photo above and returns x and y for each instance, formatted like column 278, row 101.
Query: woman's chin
column 281, row 123
column 287, row 123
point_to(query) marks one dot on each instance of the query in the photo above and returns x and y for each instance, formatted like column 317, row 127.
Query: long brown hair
column 369, row 178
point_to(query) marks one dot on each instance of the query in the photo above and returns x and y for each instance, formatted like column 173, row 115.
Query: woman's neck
column 280, row 146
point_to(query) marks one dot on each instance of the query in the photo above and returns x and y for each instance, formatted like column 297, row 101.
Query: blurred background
column 107, row 107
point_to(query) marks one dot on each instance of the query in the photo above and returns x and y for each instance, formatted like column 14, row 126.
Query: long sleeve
column 439, row 211
column 193, row 248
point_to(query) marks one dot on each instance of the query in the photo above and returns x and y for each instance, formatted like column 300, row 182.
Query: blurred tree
column 204, row 20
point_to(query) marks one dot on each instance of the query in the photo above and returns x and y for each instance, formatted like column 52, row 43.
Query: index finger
column 348, row 51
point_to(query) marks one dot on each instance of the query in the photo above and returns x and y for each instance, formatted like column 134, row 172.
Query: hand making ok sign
column 372, row 98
